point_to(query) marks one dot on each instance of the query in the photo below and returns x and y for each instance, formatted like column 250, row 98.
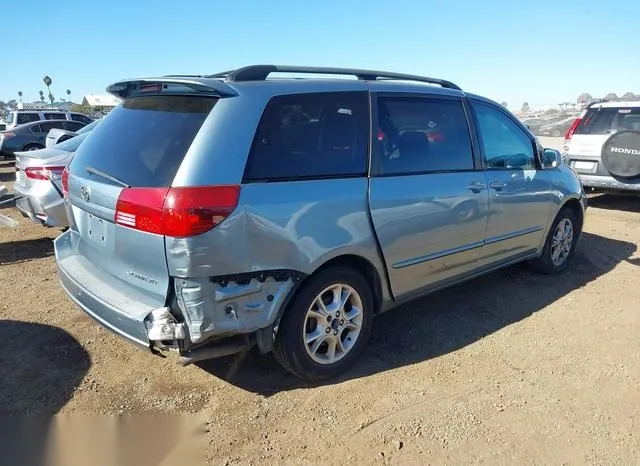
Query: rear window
column 10, row 118
column 143, row 141
column 609, row 120
column 311, row 136
column 27, row 118
column 87, row 128
column 81, row 118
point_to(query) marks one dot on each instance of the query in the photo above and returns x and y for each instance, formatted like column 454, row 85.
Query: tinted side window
column 74, row 125
column 55, row 116
column 423, row 134
column 505, row 144
column 81, row 118
column 36, row 129
column 311, row 135
column 27, row 118
column 46, row 127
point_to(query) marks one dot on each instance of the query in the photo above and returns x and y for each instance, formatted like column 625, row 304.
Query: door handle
column 476, row 187
column 497, row 185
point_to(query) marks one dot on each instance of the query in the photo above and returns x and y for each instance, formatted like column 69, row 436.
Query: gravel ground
column 510, row 368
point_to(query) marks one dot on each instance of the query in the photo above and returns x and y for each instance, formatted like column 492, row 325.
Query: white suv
column 603, row 145
column 20, row 117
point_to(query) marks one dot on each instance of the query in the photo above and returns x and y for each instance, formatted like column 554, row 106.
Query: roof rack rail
column 261, row 72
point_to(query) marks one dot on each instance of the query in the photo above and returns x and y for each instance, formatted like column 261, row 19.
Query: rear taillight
column 177, row 212
column 7, row 134
column 65, row 182
column 572, row 129
column 43, row 173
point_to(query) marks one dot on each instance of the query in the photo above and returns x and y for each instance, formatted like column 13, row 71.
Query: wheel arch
column 575, row 205
column 358, row 263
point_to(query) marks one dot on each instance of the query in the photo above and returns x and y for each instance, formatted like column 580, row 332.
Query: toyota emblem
column 85, row 192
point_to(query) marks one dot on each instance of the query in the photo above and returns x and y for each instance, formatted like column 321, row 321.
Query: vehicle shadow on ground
column 444, row 322
column 26, row 250
column 42, row 366
column 624, row 202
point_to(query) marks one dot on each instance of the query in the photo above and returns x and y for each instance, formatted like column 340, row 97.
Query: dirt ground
column 511, row 368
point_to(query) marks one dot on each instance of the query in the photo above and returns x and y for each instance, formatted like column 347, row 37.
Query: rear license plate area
column 96, row 230
column 585, row 166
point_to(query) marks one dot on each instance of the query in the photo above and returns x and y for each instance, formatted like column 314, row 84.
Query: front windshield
column 10, row 118
column 70, row 145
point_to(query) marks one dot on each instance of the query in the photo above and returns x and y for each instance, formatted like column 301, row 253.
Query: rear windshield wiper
column 106, row 176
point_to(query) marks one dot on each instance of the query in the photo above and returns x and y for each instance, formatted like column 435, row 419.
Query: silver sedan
column 38, row 185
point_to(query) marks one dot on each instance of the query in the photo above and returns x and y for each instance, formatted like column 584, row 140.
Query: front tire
column 559, row 245
column 326, row 326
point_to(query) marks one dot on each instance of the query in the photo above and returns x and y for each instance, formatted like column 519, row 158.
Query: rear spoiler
column 170, row 85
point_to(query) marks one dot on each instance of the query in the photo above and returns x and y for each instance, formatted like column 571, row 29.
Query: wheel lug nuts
column 341, row 322
column 328, row 330
column 335, row 332
column 338, row 314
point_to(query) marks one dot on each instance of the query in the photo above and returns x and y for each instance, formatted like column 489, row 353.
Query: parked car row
column 35, row 129
column 22, row 116
column 211, row 214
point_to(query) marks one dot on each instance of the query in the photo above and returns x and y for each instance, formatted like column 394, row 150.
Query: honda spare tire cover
column 621, row 154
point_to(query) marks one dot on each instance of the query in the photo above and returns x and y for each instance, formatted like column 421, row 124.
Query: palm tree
column 47, row 82
column 20, row 96
column 41, row 96
column 68, row 95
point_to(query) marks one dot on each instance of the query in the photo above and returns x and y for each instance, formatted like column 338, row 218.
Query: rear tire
column 32, row 147
column 559, row 245
column 326, row 326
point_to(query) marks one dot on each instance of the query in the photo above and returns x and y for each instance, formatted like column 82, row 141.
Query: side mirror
column 551, row 158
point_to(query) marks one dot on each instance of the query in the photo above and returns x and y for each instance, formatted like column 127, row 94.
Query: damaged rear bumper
column 233, row 305
column 205, row 313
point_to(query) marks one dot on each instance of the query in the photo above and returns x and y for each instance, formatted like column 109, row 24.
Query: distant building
column 100, row 103
column 66, row 105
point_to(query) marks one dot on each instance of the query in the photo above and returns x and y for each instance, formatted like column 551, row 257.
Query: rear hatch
column 584, row 144
column 117, row 184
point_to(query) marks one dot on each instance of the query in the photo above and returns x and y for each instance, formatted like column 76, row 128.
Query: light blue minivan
column 211, row 214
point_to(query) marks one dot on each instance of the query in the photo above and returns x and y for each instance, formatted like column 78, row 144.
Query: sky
column 543, row 52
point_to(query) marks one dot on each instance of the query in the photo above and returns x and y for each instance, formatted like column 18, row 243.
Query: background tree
column 504, row 104
column 20, row 95
column 12, row 104
column 628, row 95
column 47, row 82
column 68, row 95
column 41, row 96
column 611, row 95
column 584, row 98
column 525, row 107
column 551, row 111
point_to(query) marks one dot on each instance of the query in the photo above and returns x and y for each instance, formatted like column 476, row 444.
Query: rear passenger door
column 519, row 191
column 428, row 195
